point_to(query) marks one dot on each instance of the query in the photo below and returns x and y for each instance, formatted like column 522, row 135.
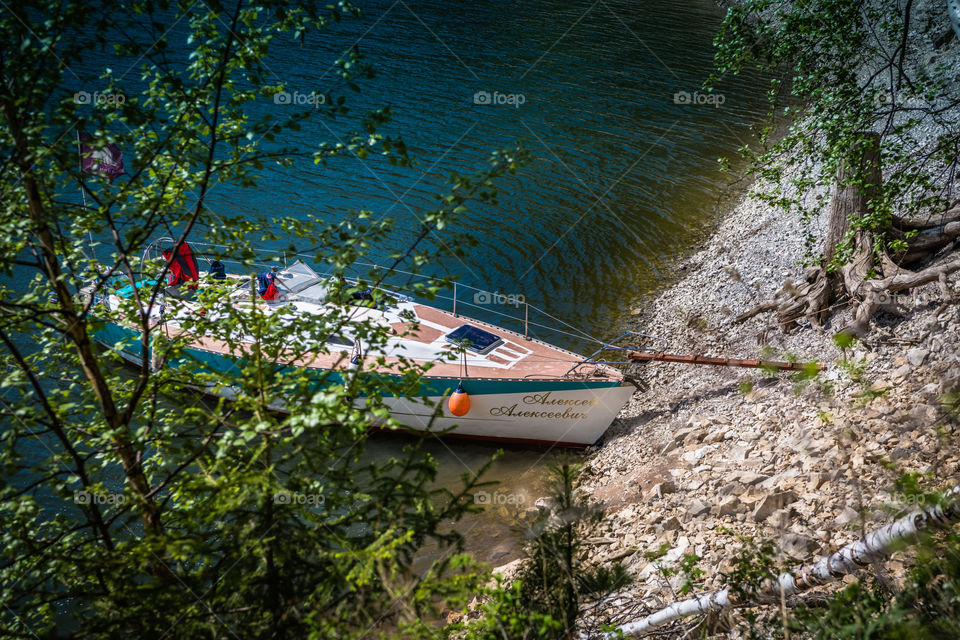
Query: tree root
column 869, row 279
column 873, row 289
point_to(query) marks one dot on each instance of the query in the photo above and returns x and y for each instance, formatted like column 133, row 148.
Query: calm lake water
column 623, row 181
column 624, row 176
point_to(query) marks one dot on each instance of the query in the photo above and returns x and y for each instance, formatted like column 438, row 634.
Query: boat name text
column 544, row 399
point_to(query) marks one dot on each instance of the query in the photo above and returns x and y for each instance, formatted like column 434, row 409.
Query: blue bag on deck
column 265, row 286
column 217, row 270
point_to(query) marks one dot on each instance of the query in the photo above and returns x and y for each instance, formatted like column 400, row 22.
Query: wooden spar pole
column 647, row 356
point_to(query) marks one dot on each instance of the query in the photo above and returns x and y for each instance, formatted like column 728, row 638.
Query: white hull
column 573, row 418
column 521, row 389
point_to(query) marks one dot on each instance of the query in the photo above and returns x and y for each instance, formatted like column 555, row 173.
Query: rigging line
column 579, row 333
column 567, row 324
column 582, row 334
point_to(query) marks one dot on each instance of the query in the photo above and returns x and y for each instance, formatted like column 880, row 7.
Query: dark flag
column 103, row 161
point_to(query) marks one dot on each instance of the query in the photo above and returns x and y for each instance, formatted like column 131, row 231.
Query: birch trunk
column 874, row 546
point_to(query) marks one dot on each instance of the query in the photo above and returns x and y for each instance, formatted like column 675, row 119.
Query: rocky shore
column 704, row 452
column 708, row 450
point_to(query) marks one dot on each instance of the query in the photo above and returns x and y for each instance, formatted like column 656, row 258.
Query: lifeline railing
column 455, row 300
column 626, row 350
column 633, row 353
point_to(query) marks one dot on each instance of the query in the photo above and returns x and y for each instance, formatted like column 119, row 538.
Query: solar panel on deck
column 298, row 277
column 476, row 338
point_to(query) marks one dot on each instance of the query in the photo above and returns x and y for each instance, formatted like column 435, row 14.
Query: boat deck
column 512, row 357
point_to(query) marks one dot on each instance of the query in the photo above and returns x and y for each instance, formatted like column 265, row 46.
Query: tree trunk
column 74, row 327
column 869, row 271
column 850, row 201
column 877, row 545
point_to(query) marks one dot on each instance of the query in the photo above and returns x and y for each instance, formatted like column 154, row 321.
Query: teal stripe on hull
column 230, row 366
column 120, row 338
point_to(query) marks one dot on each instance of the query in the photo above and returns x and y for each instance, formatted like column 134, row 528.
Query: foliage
column 754, row 566
column 839, row 68
column 130, row 508
column 506, row 614
column 926, row 606
column 687, row 568
column 556, row 577
column 691, row 573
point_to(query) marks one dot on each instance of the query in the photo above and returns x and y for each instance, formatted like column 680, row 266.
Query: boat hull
column 568, row 417
column 564, row 412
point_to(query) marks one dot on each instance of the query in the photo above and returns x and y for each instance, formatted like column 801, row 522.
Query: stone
column 771, row 503
column 730, row 488
column 739, row 454
column 750, row 478
column 729, row 506
column 900, row 373
column 688, row 436
column 847, row 516
column 671, row 524
column 780, row 519
column 663, row 488
column 508, row 569
column 448, row 616
column 916, row 356
column 695, row 456
column 816, row 481
column 544, row 504
column 715, row 435
column 797, row 546
column 697, row 509
column 900, row 453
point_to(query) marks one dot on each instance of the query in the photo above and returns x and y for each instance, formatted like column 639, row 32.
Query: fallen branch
column 659, row 356
column 871, row 548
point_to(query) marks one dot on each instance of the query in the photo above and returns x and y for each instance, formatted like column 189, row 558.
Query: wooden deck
column 515, row 358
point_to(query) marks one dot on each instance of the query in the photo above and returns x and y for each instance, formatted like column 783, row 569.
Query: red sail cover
column 183, row 267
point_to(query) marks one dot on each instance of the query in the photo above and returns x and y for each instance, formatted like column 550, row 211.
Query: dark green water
column 623, row 180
